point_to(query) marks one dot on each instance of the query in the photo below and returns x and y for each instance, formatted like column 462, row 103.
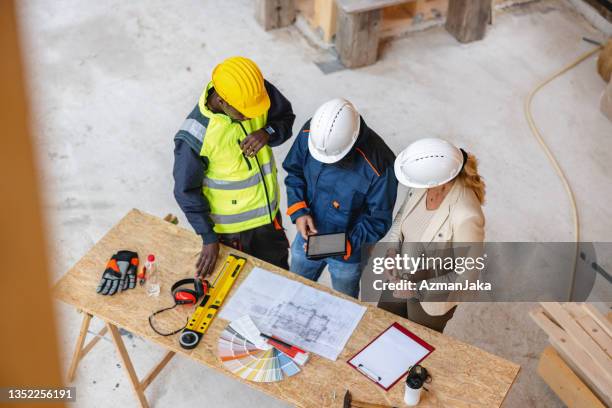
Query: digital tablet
column 324, row 245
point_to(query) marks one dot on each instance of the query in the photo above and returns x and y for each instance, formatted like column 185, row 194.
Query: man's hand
column 305, row 226
column 207, row 260
column 254, row 142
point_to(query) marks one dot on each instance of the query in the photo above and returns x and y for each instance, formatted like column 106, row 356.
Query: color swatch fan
column 251, row 362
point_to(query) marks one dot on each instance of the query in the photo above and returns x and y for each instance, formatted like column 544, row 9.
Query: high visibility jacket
column 355, row 195
column 242, row 192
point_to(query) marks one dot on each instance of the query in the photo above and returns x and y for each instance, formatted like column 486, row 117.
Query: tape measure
column 202, row 317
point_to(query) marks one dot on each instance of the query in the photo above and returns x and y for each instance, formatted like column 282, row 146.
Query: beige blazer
column 458, row 219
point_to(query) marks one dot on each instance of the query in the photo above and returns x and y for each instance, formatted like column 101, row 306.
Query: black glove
column 120, row 273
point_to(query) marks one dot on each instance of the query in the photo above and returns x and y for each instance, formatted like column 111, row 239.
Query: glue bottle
column 152, row 283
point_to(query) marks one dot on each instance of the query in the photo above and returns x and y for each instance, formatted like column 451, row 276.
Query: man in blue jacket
column 340, row 179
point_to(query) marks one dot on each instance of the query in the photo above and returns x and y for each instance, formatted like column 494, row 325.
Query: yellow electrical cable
column 551, row 157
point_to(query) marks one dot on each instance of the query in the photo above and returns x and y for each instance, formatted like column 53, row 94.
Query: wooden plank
column 127, row 365
column 29, row 348
column 361, row 6
column 573, row 329
column 467, row 20
column 597, row 333
column 590, row 326
column 455, row 366
column 156, row 370
column 574, row 356
column 402, row 19
column 325, row 16
column 598, row 317
column 273, row 14
column 564, row 382
column 357, row 38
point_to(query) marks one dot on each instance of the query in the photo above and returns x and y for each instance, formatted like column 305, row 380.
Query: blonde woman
column 442, row 208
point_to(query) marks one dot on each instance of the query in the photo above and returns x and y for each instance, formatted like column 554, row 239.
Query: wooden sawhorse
column 80, row 350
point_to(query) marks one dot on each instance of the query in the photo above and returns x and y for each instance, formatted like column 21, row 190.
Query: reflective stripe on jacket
column 234, row 185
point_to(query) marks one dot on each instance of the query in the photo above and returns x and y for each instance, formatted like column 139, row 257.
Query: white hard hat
column 428, row 163
column 334, row 129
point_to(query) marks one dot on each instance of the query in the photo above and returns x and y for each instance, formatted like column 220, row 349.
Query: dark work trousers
column 268, row 242
column 412, row 310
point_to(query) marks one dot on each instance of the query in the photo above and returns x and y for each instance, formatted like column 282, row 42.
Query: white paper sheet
column 388, row 357
column 303, row 316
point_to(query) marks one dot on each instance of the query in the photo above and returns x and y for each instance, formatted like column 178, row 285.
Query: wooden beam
column 467, row 19
column 28, row 344
column 591, row 327
column 573, row 330
column 357, row 37
column 564, row 382
column 598, row 317
column 360, row 6
column 574, row 356
column 272, row 14
column 325, row 15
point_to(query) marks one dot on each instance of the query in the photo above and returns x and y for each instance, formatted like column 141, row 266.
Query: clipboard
column 388, row 358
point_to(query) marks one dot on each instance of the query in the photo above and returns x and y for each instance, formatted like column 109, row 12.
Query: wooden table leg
column 79, row 350
column 156, row 370
column 76, row 355
column 127, row 364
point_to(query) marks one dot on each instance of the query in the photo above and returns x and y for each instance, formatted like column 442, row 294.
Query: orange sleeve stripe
column 277, row 225
column 369, row 162
column 295, row 207
column 349, row 250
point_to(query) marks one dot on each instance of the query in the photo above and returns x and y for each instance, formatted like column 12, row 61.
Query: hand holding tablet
column 326, row 245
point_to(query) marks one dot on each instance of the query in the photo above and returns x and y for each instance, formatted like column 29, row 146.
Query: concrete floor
column 111, row 81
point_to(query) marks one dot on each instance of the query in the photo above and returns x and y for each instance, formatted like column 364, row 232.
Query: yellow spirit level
column 202, row 317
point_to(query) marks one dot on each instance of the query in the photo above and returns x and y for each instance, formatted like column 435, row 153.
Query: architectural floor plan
column 304, row 316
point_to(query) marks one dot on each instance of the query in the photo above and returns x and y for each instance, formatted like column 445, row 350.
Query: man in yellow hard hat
column 224, row 170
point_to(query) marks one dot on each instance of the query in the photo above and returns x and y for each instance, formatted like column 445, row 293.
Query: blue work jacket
column 355, row 195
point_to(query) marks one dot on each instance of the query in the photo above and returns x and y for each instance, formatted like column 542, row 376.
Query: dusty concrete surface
column 111, row 81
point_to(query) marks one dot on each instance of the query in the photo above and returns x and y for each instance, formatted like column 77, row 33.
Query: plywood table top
column 463, row 375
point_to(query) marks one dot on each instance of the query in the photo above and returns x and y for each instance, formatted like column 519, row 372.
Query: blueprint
column 303, row 316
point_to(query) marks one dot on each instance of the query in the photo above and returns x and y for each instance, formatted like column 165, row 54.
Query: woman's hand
column 404, row 294
column 391, row 274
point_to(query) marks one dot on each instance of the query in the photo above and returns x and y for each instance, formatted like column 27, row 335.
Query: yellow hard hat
column 240, row 83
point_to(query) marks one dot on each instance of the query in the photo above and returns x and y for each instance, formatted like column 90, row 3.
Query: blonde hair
column 471, row 179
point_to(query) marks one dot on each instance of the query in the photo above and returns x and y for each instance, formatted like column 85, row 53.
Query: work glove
column 120, row 273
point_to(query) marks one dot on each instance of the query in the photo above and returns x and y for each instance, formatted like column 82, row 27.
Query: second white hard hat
column 428, row 163
column 334, row 129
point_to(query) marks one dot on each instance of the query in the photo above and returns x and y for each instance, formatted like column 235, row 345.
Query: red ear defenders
column 185, row 296
column 182, row 296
